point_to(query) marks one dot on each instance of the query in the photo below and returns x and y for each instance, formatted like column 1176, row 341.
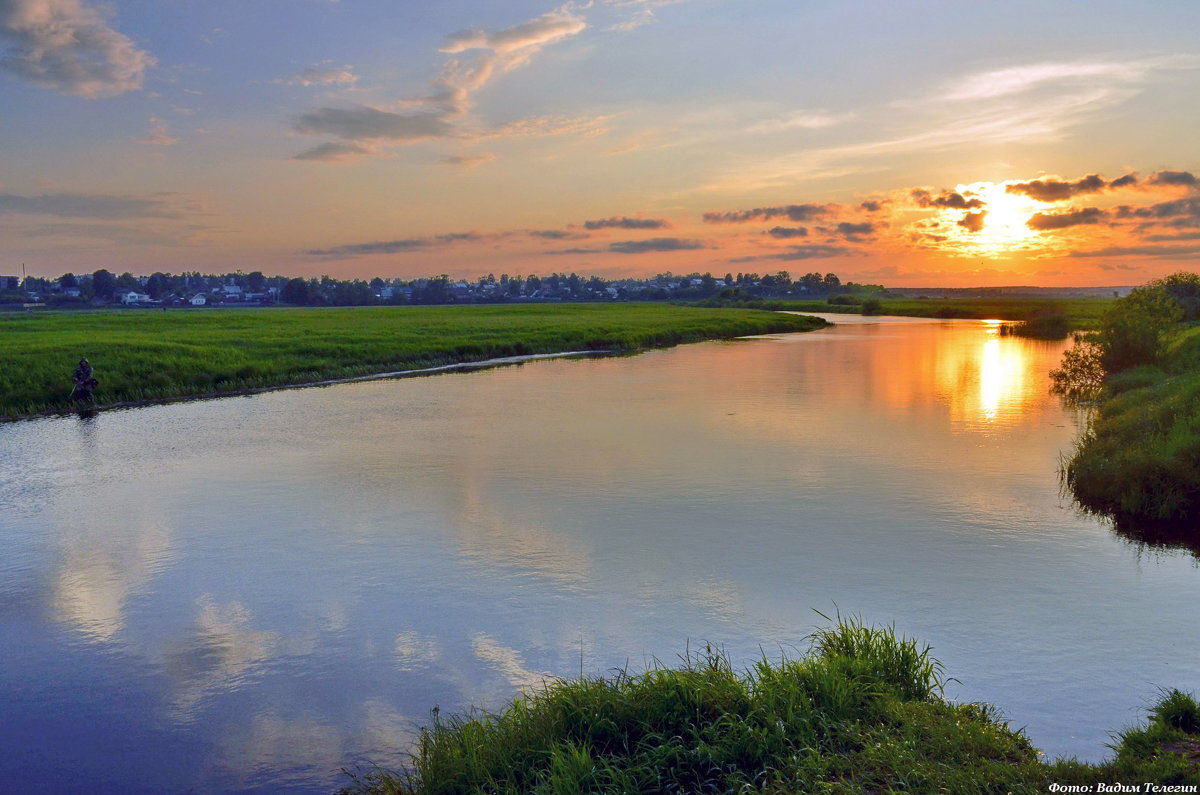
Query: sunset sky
column 909, row 143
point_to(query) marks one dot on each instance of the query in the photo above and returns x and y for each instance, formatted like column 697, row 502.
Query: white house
column 134, row 297
column 198, row 300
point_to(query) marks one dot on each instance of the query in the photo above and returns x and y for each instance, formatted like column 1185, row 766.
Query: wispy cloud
column 468, row 161
column 948, row 199
column 1052, row 189
column 319, row 76
column 365, row 123
column 816, row 251
column 557, row 234
column 1019, row 79
column 441, row 114
column 158, row 134
column 536, row 126
column 622, row 222
column 81, row 205
column 655, row 244
column 335, row 151
column 1039, row 102
column 793, row 212
column 401, row 246
column 1048, row 221
column 68, row 46
column 786, row 232
column 801, row 119
column 535, row 33
column 1140, row 251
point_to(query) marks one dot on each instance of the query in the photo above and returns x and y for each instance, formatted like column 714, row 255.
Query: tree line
column 102, row 286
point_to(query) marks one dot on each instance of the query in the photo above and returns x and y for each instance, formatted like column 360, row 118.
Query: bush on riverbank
column 142, row 356
column 1043, row 324
column 1140, row 458
column 862, row 712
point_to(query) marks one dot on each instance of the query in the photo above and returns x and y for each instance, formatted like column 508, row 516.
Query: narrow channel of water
column 248, row 594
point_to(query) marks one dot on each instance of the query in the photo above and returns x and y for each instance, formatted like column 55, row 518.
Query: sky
column 911, row 143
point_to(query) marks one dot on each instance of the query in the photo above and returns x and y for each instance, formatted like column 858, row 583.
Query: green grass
column 1140, row 459
column 1081, row 313
column 861, row 713
column 146, row 356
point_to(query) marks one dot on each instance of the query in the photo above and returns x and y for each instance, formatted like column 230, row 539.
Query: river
column 251, row 593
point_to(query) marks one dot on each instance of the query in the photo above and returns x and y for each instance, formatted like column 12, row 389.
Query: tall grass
column 142, row 356
column 862, row 712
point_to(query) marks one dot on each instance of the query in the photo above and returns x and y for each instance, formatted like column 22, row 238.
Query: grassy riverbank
column 862, row 713
column 1139, row 462
column 147, row 355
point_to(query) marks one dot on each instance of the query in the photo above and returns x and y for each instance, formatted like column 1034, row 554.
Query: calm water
column 248, row 594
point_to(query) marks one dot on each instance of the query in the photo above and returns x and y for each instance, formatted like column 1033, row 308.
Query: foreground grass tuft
column 862, row 712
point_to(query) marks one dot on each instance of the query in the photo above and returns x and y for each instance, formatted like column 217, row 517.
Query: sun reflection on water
column 1003, row 370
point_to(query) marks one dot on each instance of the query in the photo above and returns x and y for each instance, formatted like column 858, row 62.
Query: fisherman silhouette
column 85, row 382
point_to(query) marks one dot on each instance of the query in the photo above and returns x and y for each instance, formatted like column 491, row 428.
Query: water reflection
column 1001, row 378
column 219, row 653
column 104, row 563
column 275, row 586
column 1162, row 534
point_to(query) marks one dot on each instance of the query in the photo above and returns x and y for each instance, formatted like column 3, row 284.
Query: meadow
column 145, row 356
column 862, row 712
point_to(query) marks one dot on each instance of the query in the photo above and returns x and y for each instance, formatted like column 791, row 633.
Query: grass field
column 862, row 713
column 148, row 355
column 1082, row 313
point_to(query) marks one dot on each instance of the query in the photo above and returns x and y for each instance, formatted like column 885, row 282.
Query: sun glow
column 1005, row 222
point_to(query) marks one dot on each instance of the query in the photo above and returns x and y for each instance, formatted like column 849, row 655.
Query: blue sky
column 364, row 137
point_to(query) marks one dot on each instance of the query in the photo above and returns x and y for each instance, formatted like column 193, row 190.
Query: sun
column 1005, row 225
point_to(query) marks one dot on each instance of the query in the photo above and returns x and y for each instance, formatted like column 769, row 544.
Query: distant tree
column 352, row 293
column 256, row 282
column 68, row 280
column 156, row 285
column 104, row 284
column 435, row 291
column 296, row 292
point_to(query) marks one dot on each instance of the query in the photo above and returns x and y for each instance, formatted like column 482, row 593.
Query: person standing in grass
column 85, row 382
